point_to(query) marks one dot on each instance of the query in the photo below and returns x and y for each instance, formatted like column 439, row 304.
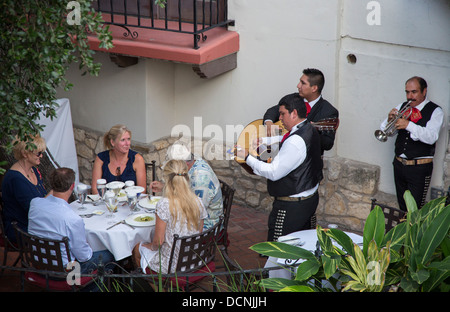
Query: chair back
column 227, row 195
column 392, row 215
column 152, row 166
column 41, row 253
column 194, row 251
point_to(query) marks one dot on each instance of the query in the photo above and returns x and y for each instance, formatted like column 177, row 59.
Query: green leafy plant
column 413, row 256
column 38, row 42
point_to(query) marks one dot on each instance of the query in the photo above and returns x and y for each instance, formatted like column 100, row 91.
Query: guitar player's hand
column 241, row 153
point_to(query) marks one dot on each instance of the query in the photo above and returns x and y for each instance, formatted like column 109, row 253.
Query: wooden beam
column 123, row 60
column 216, row 67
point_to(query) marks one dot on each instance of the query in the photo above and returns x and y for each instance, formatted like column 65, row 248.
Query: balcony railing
column 193, row 17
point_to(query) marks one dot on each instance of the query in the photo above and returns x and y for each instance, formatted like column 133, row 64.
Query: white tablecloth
column 309, row 237
column 119, row 240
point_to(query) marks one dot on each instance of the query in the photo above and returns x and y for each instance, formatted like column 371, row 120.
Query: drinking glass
column 82, row 191
column 132, row 201
column 111, row 202
column 101, row 189
column 116, row 191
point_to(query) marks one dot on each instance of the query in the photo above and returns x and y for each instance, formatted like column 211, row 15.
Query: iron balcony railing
column 193, row 17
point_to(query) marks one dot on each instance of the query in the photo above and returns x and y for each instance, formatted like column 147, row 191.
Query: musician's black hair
column 294, row 101
column 422, row 83
column 315, row 78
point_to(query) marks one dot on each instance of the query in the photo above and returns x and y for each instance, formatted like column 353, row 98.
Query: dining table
column 119, row 236
column 306, row 239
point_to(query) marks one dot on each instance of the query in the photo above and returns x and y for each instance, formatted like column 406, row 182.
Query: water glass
column 101, row 189
column 132, row 201
column 111, row 202
column 82, row 191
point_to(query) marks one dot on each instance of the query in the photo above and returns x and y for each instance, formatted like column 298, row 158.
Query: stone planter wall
column 345, row 192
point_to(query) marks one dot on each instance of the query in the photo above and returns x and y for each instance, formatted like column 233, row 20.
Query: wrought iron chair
column 152, row 166
column 7, row 245
column 195, row 260
column 44, row 255
column 227, row 195
column 393, row 216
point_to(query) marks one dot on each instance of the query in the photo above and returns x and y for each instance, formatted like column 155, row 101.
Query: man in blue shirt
column 52, row 218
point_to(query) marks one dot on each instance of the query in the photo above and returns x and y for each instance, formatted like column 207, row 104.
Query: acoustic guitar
column 251, row 138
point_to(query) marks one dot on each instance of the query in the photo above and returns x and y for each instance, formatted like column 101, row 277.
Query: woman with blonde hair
column 22, row 183
column 118, row 162
column 180, row 212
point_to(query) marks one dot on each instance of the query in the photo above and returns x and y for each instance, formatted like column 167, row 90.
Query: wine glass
column 82, row 191
column 101, row 189
column 111, row 202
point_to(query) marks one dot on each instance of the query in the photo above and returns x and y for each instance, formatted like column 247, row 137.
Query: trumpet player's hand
column 392, row 114
column 401, row 123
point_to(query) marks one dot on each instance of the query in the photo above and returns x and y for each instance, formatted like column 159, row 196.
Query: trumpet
column 390, row 130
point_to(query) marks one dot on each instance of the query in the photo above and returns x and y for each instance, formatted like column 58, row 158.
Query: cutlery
column 120, row 222
column 86, row 215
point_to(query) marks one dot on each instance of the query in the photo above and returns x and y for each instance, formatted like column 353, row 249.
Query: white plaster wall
column 116, row 96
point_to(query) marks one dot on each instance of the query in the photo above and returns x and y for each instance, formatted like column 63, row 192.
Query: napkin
column 146, row 256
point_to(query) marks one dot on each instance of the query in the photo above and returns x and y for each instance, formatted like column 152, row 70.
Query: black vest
column 413, row 149
column 307, row 174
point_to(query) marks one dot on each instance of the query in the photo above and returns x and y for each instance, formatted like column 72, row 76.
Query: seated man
column 52, row 218
column 203, row 182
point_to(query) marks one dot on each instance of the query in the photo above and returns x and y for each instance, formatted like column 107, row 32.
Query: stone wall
column 345, row 192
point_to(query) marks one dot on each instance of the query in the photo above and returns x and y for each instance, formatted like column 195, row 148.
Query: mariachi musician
column 294, row 174
column 416, row 142
column 317, row 108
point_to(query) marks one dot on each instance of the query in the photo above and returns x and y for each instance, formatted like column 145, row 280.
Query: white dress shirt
column 291, row 155
column 428, row 134
column 53, row 218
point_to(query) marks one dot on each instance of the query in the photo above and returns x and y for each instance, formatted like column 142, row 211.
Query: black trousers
column 415, row 178
column 291, row 216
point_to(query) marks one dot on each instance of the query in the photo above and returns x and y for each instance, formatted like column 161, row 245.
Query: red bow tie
column 415, row 115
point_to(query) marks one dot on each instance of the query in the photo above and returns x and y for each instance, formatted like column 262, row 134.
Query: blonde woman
column 178, row 212
column 21, row 184
column 118, row 162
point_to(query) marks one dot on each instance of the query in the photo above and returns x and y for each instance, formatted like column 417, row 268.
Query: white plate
column 135, row 189
column 115, row 184
column 133, row 219
column 146, row 203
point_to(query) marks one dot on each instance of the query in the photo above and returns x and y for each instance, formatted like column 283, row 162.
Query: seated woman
column 118, row 162
column 179, row 212
column 21, row 184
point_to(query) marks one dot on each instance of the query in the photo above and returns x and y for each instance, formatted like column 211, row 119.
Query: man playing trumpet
column 416, row 141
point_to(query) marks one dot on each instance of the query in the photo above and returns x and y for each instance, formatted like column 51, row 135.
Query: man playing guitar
column 310, row 89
